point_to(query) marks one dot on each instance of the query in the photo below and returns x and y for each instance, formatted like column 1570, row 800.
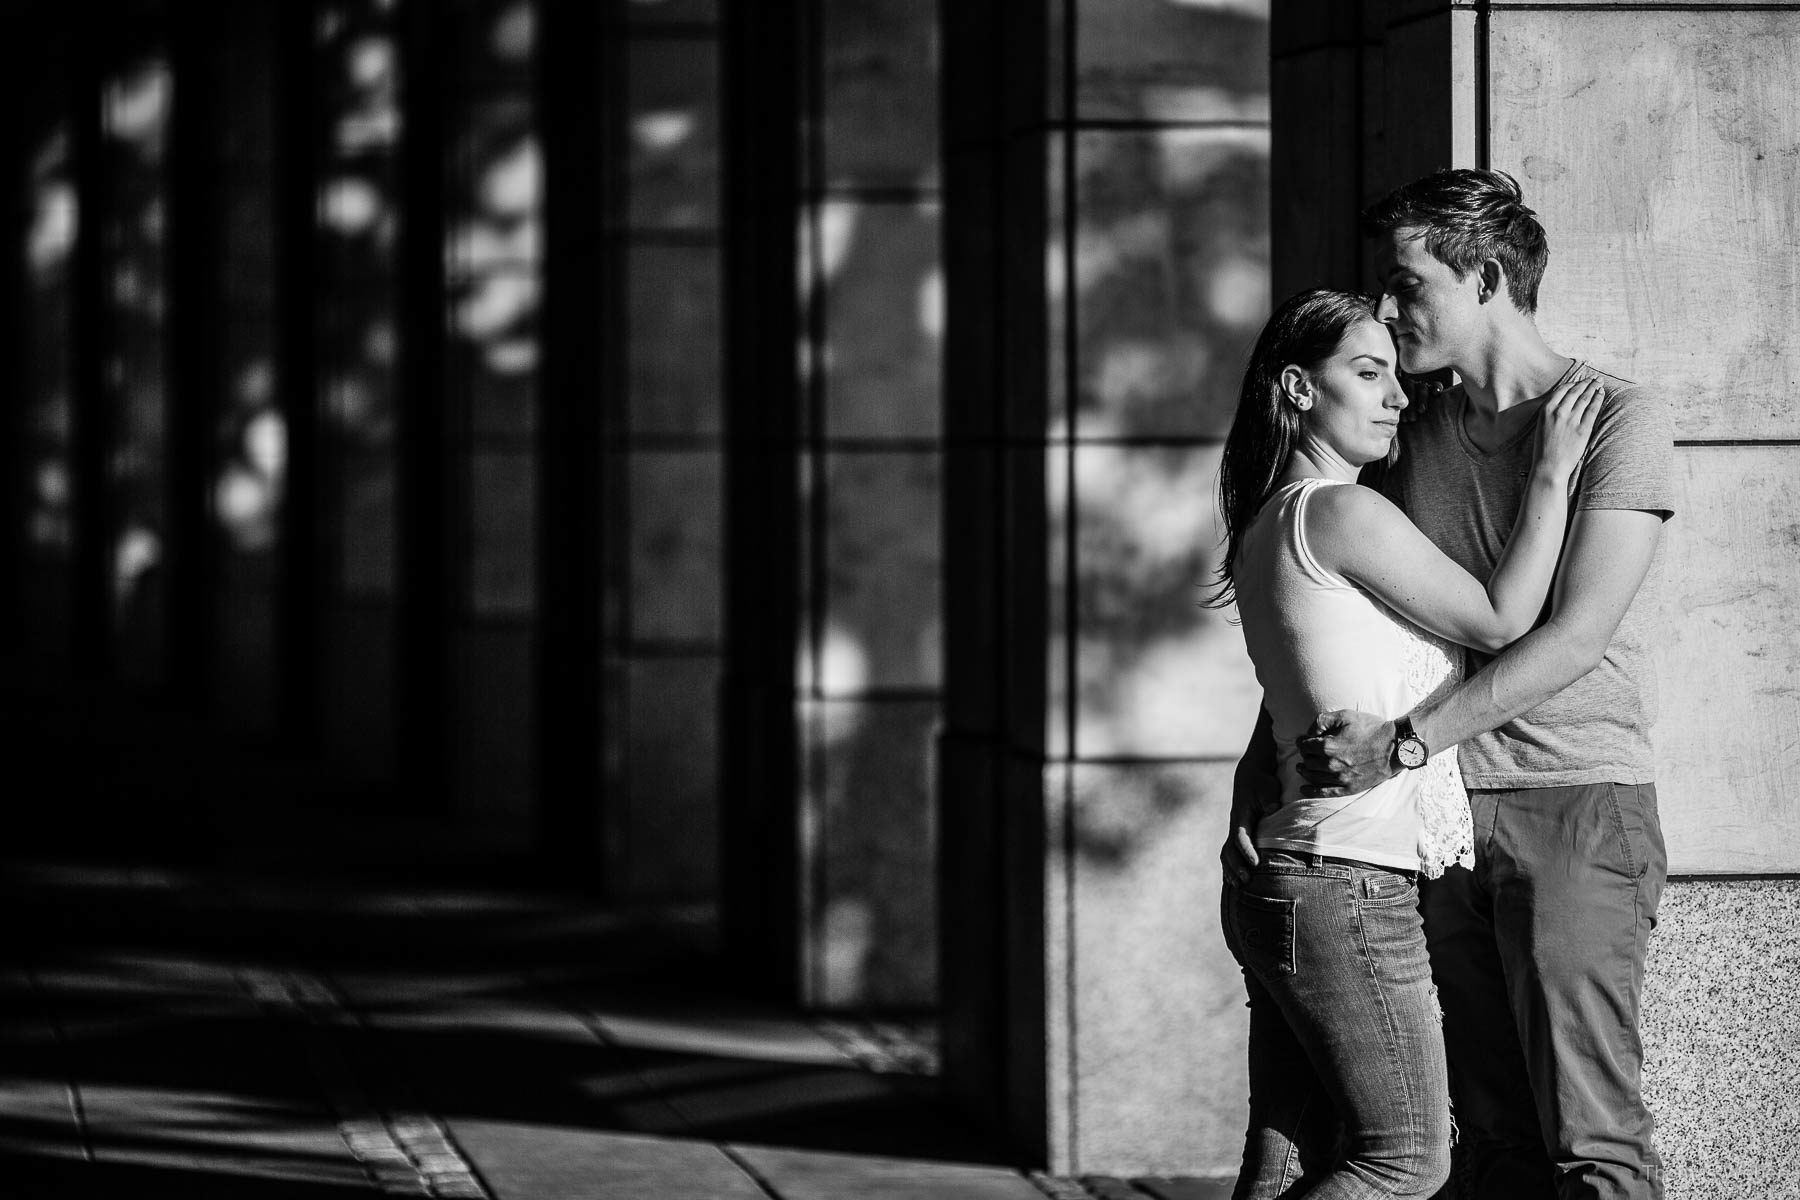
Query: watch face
column 1411, row 752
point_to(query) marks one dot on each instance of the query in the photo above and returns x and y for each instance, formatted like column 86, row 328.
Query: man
column 1545, row 938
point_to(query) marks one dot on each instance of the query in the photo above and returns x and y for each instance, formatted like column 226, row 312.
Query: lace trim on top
column 1446, row 830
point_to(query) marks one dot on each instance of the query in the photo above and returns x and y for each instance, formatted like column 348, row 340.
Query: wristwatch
column 1409, row 748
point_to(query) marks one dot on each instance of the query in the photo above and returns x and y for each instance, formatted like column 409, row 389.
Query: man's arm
column 1607, row 557
column 1255, row 790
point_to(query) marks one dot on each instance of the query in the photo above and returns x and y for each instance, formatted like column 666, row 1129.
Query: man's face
column 1430, row 312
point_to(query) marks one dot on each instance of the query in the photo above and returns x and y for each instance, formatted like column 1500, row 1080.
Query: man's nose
column 1386, row 309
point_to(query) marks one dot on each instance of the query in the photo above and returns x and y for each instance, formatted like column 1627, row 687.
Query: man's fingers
column 1317, row 757
column 1326, row 723
column 1323, row 793
column 1314, row 750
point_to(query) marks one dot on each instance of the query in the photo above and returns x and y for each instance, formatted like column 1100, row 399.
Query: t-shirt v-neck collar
column 1460, row 419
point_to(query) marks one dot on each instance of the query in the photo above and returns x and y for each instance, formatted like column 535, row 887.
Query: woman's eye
column 1370, row 374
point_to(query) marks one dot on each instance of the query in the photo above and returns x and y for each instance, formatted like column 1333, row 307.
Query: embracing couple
column 1445, row 859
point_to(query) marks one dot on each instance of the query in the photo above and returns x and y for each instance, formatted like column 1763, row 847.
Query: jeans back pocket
column 1265, row 929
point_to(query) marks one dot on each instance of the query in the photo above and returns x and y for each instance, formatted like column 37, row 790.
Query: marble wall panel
column 1662, row 150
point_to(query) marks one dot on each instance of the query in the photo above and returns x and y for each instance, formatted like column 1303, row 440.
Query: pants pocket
column 1383, row 888
column 1266, row 932
column 1639, row 828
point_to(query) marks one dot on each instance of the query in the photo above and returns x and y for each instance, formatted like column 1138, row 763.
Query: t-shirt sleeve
column 1630, row 460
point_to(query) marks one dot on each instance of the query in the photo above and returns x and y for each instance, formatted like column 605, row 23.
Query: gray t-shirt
column 1597, row 730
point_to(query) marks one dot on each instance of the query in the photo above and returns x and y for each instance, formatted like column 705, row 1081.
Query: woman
column 1339, row 596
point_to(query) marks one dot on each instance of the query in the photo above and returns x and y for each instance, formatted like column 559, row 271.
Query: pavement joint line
column 743, row 1164
column 66, row 1047
column 596, row 1029
column 402, row 1153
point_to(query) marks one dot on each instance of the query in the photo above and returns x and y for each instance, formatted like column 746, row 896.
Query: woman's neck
column 1315, row 460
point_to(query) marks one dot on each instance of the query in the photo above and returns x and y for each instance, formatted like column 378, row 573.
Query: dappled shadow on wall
column 1162, row 269
column 46, row 427
column 132, row 227
column 358, row 231
column 871, row 669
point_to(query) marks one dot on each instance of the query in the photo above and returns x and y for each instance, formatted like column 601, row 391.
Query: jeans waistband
column 1306, row 858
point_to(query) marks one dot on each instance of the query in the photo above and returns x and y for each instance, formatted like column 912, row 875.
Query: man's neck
column 1516, row 367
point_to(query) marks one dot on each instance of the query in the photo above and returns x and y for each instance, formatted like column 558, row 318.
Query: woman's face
column 1356, row 400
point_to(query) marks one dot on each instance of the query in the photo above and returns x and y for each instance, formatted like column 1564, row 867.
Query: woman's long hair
column 1304, row 332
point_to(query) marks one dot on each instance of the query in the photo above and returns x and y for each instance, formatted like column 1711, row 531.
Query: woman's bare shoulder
column 1349, row 507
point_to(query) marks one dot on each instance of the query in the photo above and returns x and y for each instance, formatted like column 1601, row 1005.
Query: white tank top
column 1320, row 642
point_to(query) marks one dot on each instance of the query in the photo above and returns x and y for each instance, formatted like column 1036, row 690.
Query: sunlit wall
column 1158, row 282
column 1107, row 184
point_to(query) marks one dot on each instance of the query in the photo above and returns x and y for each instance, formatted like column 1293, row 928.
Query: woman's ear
column 1296, row 388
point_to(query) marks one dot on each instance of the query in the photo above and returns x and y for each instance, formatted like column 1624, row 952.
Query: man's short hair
column 1468, row 216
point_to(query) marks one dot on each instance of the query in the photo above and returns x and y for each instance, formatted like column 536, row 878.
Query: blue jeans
column 1348, row 1089
column 1539, row 955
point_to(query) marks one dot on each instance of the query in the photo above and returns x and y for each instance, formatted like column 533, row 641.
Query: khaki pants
column 1538, row 955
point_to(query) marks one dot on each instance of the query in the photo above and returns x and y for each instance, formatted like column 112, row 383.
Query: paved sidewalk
column 202, row 1035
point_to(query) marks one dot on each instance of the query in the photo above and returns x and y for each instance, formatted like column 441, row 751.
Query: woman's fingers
column 1567, row 388
column 1567, row 422
column 1575, row 403
column 1590, row 405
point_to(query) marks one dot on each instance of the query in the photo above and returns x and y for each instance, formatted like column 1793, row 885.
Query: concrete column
column 991, row 752
column 1658, row 146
